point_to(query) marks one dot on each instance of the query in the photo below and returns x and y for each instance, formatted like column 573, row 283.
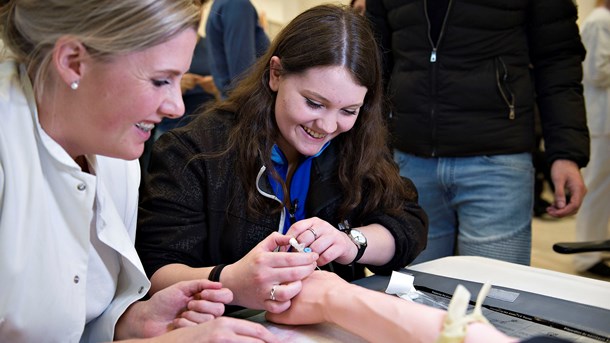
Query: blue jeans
column 478, row 205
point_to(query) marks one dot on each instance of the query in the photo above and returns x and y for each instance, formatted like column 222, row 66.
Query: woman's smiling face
column 123, row 98
column 313, row 107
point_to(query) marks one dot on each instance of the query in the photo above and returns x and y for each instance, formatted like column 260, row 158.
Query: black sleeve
column 171, row 218
column 557, row 52
column 409, row 229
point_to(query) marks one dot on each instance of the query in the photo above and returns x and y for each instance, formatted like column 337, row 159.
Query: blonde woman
column 83, row 82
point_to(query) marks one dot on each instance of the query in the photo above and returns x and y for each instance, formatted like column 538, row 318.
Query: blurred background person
column 592, row 220
column 198, row 89
column 236, row 38
column 359, row 6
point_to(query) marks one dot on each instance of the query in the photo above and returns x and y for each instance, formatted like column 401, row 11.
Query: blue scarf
column 299, row 185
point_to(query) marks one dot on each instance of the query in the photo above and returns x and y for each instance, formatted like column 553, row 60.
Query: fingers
column 215, row 309
column 304, row 230
column 566, row 205
column 285, row 292
column 223, row 295
column 282, row 275
column 189, row 318
column 192, row 287
column 566, row 178
column 333, row 252
column 283, row 259
column 560, row 209
column 323, row 238
column 247, row 331
column 280, row 296
column 273, row 241
column 223, row 329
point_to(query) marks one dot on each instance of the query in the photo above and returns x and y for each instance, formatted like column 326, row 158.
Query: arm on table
column 253, row 276
column 375, row 316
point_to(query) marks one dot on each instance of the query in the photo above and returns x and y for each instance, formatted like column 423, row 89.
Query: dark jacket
column 473, row 91
column 193, row 208
column 235, row 40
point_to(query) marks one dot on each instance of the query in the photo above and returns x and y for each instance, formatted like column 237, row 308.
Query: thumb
column 273, row 241
column 190, row 287
column 560, row 195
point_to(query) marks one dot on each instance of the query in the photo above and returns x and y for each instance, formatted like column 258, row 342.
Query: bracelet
column 215, row 273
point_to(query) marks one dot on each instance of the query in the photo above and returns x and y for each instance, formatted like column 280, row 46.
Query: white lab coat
column 592, row 218
column 595, row 35
column 46, row 212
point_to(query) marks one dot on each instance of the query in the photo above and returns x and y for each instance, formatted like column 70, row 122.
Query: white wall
column 280, row 12
column 584, row 7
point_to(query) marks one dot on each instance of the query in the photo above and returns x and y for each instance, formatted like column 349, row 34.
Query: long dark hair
column 325, row 35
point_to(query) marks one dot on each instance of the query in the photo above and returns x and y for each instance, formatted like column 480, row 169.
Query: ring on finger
column 273, row 288
column 315, row 236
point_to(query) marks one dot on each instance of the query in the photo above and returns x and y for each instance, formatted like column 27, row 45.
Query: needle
column 300, row 247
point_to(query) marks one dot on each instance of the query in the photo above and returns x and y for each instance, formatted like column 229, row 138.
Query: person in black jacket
column 463, row 97
column 298, row 149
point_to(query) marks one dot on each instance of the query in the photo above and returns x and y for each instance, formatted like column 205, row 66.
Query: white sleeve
column 596, row 67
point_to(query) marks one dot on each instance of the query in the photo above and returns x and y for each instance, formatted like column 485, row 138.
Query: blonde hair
column 107, row 28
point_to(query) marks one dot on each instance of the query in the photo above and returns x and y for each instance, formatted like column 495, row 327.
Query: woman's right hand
column 309, row 306
column 266, row 279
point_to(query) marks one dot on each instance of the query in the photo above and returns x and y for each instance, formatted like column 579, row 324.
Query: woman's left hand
column 186, row 303
column 323, row 238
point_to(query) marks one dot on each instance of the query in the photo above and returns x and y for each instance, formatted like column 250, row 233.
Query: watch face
column 358, row 236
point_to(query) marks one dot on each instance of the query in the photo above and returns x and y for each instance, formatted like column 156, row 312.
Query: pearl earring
column 74, row 85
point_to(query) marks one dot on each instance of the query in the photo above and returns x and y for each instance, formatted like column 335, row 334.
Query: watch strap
column 360, row 252
column 346, row 228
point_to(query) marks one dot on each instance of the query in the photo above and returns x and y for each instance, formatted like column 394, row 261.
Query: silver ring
column 315, row 236
column 272, row 297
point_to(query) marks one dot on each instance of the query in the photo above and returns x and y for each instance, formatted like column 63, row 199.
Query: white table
column 534, row 280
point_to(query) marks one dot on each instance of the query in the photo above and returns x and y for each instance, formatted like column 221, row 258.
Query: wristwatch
column 357, row 238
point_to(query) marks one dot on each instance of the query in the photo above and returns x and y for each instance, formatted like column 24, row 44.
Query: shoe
column 600, row 269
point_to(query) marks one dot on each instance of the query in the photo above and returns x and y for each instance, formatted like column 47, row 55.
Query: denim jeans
column 478, row 205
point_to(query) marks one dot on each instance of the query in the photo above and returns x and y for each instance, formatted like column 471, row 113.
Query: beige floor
column 546, row 232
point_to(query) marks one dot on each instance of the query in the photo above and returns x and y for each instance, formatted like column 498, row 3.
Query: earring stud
column 74, row 85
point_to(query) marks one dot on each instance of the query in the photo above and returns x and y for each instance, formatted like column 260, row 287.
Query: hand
column 254, row 276
column 188, row 81
column 359, row 6
column 330, row 243
column 185, row 303
column 223, row 329
column 566, row 177
column 208, row 85
column 308, row 307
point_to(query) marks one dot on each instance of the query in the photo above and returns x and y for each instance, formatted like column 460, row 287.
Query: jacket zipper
column 510, row 102
column 433, row 76
column 292, row 211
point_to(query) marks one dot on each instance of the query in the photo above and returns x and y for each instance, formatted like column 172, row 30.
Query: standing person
column 463, row 98
column 236, row 38
column 298, row 147
column 83, row 83
column 359, row 6
column 592, row 220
